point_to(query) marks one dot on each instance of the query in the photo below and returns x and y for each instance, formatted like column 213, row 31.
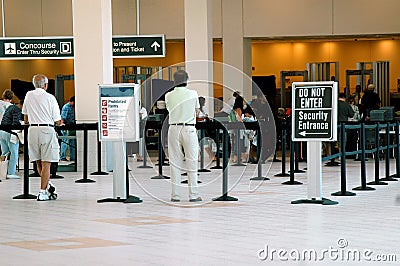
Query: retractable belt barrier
column 362, row 151
column 85, row 127
column 217, row 125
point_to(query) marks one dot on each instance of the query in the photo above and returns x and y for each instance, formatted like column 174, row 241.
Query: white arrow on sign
column 303, row 133
column 155, row 46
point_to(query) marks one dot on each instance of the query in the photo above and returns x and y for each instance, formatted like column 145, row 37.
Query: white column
column 199, row 46
column 236, row 50
column 93, row 65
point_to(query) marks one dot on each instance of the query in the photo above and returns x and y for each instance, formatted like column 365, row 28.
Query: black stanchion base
column 343, row 193
column 56, row 177
column 298, row 171
column 332, row 164
column 225, row 198
column 185, row 174
column 260, row 178
column 99, row 173
column 130, row 199
column 377, row 183
column 388, row 179
column 216, row 167
column 395, row 176
column 322, row 201
column 361, row 188
column 160, row 177
column 29, row 196
column 239, row 164
column 203, row 170
column 34, row 175
column 84, row 181
column 294, row 182
column 186, row 181
column 282, row 174
column 144, row 166
column 164, row 164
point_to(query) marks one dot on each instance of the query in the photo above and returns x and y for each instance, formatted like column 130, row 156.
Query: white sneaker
column 51, row 191
column 43, row 196
column 13, row 177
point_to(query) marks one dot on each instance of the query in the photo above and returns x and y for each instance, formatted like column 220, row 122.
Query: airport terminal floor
column 261, row 228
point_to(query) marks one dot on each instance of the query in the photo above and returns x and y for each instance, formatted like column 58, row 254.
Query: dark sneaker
column 51, row 191
column 175, row 200
column 196, row 199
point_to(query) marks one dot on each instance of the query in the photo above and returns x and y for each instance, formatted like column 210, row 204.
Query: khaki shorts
column 43, row 144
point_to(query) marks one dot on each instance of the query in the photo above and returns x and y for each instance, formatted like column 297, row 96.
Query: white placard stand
column 119, row 123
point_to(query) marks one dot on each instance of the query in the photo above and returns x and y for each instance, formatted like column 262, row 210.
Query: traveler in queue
column 183, row 106
column 41, row 111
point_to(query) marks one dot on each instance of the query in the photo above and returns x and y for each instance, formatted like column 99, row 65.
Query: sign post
column 314, row 119
column 119, row 123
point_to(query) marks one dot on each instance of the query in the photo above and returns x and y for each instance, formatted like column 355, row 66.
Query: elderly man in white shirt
column 41, row 111
column 183, row 106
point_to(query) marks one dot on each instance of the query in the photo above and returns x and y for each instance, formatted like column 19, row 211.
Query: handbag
column 4, row 166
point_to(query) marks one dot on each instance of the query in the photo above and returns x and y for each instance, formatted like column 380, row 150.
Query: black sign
column 313, row 111
column 139, row 46
column 24, row 48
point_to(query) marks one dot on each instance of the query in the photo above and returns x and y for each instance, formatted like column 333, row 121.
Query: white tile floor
column 76, row 230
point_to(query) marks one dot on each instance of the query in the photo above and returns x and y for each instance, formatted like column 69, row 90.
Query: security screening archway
column 285, row 74
column 314, row 119
column 322, row 71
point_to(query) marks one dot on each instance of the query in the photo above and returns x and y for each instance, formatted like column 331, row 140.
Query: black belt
column 183, row 124
column 41, row 125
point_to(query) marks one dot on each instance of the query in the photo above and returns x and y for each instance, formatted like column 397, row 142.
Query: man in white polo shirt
column 41, row 111
column 183, row 105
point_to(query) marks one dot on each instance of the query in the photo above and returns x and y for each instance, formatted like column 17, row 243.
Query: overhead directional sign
column 36, row 48
column 139, row 46
column 314, row 111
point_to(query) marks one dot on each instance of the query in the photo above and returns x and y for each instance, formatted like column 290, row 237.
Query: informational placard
column 36, row 48
column 314, row 111
column 119, row 112
column 139, row 46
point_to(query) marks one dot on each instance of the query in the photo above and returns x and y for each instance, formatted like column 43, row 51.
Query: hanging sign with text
column 139, row 46
column 36, row 48
column 314, row 111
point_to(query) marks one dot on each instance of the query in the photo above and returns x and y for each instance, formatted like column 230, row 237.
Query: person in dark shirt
column 370, row 101
column 345, row 111
column 9, row 140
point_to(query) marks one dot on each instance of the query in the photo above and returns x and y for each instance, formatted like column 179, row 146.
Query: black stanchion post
column 98, row 172
column 343, row 191
column 144, row 147
column 202, row 169
column 217, row 154
column 377, row 150
column 397, row 150
column 387, row 155
column 26, row 194
column 259, row 161
column 85, row 158
column 225, row 159
column 239, row 148
column 160, row 158
column 297, row 158
column 283, row 173
column 363, row 173
column 291, row 171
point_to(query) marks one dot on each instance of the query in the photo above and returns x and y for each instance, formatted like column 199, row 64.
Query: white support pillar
column 236, row 50
column 199, row 46
column 93, row 64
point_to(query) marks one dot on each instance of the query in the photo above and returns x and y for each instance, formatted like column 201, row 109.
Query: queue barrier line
column 84, row 126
